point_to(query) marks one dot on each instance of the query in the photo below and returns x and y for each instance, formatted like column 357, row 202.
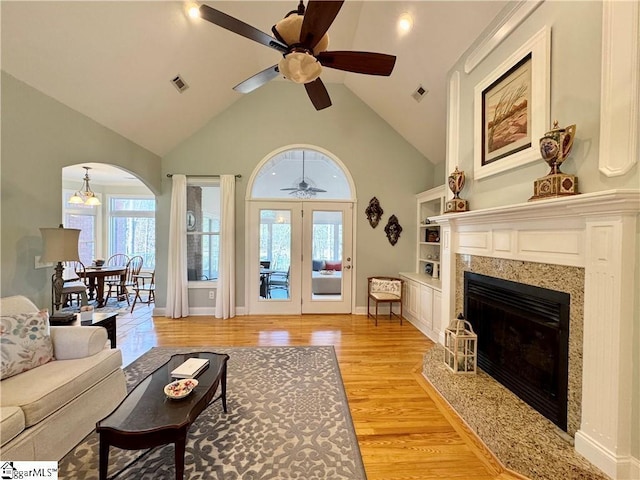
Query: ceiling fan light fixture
column 289, row 29
column 303, row 194
column 300, row 67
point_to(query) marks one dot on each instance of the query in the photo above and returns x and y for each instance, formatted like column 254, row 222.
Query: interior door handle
column 347, row 267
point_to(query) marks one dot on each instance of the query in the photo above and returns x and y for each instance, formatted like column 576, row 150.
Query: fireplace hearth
column 523, row 339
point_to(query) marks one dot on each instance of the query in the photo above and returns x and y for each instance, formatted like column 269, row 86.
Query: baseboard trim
column 617, row 467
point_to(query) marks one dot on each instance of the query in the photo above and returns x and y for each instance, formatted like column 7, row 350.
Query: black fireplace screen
column 523, row 339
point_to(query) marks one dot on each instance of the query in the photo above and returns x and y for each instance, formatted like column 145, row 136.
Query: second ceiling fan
column 301, row 37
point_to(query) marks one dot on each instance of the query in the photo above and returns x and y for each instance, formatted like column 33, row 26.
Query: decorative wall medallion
column 374, row 212
column 393, row 230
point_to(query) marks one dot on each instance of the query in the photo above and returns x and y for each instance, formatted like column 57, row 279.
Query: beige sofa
column 46, row 411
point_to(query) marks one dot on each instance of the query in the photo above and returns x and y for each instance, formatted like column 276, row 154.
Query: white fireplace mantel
column 596, row 231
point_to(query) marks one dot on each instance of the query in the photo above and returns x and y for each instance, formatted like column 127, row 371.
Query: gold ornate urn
column 456, row 184
column 555, row 146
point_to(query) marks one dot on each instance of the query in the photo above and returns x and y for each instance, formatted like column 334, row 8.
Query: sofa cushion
column 337, row 266
column 25, row 342
column 317, row 265
column 42, row 390
column 11, row 423
column 16, row 304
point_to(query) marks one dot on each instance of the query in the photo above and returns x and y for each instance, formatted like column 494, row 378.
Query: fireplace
column 523, row 339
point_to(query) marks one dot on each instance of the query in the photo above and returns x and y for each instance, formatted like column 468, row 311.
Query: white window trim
column 203, row 284
column 126, row 213
column 97, row 212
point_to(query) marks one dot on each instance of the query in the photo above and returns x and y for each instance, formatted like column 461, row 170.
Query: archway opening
column 123, row 223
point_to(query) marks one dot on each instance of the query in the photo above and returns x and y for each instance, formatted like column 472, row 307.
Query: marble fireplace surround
column 587, row 239
column 554, row 277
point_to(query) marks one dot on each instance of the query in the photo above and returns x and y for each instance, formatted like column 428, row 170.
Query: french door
column 300, row 257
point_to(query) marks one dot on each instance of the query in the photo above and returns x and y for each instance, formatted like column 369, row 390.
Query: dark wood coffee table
column 106, row 320
column 146, row 418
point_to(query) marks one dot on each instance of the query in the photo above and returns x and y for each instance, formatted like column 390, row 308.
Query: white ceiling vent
column 179, row 83
column 420, row 93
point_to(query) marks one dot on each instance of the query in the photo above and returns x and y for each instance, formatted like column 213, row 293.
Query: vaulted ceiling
column 113, row 61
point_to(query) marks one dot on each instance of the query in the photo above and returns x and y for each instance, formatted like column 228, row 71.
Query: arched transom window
column 301, row 173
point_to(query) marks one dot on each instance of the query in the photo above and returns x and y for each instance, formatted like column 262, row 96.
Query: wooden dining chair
column 75, row 283
column 124, row 288
column 144, row 284
column 118, row 260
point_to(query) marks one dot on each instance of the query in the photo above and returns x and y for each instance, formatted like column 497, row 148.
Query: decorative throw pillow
column 386, row 286
column 318, row 265
column 25, row 342
column 337, row 266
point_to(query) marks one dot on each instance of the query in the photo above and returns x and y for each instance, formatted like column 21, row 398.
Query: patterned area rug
column 112, row 305
column 288, row 418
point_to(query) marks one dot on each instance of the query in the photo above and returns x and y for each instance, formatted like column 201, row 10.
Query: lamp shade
column 60, row 244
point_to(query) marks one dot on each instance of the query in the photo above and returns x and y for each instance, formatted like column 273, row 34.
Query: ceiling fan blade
column 359, row 62
column 318, row 94
column 236, row 26
column 258, row 80
column 318, row 17
column 295, row 189
column 316, row 190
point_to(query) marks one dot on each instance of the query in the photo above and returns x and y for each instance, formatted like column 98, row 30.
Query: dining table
column 96, row 278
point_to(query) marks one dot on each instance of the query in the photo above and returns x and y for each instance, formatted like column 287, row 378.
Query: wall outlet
column 212, row 294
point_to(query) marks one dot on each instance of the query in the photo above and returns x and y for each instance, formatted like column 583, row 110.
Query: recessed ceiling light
column 193, row 10
column 405, row 23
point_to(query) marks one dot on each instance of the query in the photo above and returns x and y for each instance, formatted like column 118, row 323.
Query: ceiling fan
column 303, row 189
column 301, row 37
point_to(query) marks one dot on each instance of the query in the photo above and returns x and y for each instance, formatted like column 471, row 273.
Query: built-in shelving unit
column 422, row 296
column 429, row 204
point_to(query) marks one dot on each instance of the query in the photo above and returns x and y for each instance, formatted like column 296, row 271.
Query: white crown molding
column 603, row 203
column 508, row 24
column 620, row 90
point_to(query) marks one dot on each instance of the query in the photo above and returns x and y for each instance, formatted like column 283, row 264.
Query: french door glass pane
column 326, row 248
column 275, row 254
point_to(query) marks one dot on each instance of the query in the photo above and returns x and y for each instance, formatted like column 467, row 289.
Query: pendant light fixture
column 86, row 196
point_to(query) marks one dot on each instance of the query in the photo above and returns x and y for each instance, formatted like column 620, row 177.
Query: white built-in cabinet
column 422, row 297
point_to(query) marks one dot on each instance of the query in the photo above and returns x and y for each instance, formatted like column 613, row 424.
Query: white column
column 447, row 275
column 605, row 432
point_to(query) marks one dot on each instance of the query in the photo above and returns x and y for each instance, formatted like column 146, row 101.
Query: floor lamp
column 60, row 245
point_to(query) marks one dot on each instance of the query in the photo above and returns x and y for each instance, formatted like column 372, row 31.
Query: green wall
column 576, row 43
column 380, row 161
column 40, row 136
column 575, row 99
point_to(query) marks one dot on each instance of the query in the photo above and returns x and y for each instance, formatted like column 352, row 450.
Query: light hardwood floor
column 405, row 430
